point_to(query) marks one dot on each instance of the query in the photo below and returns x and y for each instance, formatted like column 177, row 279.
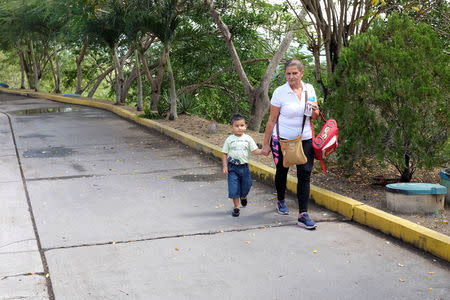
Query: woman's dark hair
column 237, row 117
column 294, row 62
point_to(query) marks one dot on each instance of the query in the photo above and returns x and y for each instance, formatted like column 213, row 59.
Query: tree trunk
column 52, row 67
column 28, row 66
column 29, row 69
column 104, row 74
column 150, row 79
column 35, row 68
column 156, row 86
column 260, row 106
column 126, row 87
column 99, row 80
column 317, row 71
column 58, row 76
column 173, row 94
column 22, row 70
column 79, row 60
column 407, row 172
column 140, row 102
column 117, row 75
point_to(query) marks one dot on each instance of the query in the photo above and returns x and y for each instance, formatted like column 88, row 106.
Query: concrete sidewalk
column 108, row 210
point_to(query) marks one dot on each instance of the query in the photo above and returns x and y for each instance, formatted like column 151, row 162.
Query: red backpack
column 326, row 141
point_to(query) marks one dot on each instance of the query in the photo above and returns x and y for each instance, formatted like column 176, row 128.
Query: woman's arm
column 274, row 112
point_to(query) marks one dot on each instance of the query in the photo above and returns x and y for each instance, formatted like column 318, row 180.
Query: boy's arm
column 225, row 163
column 255, row 146
column 257, row 152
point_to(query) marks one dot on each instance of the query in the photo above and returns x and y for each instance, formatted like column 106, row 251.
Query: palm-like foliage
column 107, row 24
column 158, row 17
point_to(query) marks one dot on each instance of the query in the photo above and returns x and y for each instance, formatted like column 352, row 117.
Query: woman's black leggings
column 303, row 174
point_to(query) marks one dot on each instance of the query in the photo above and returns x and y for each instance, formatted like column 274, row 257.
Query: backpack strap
column 313, row 138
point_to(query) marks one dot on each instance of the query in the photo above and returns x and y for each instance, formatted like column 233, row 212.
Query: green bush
column 186, row 104
column 390, row 96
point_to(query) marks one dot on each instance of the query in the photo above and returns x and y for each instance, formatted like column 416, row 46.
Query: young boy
column 235, row 156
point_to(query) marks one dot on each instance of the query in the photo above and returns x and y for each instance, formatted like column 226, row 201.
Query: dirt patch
column 365, row 185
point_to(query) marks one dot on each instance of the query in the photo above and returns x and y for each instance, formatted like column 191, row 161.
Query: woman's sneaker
column 282, row 207
column 305, row 222
column 235, row 212
column 244, row 202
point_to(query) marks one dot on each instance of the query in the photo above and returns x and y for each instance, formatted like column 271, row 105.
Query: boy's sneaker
column 305, row 222
column 282, row 207
column 235, row 212
column 244, row 202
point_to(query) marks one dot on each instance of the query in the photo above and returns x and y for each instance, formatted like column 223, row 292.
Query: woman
column 287, row 106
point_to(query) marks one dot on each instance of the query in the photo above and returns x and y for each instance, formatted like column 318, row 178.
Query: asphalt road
column 96, row 207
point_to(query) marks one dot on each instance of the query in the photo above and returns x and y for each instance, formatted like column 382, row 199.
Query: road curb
column 419, row 236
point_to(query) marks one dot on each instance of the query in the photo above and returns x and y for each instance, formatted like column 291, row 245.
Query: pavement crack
column 50, row 292
column 16, row 242
column 208, row 233
column 23, row 274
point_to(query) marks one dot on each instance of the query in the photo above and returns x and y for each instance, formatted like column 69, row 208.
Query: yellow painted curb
column 416, row 235
column 343, row 205
column 409, row 232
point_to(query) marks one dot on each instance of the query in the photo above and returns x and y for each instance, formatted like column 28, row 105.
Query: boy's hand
column 225, row 170
column 257, row 152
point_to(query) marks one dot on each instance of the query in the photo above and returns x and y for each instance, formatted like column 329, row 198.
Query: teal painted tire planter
column 445, row 181
column 71, row 95
column 415, row 197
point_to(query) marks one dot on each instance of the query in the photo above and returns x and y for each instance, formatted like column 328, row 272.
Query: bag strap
column 304, row 117
column 323, row 118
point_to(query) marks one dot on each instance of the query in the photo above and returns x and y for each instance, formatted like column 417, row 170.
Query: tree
column 164, row 27
column 45, row 21
column 332, row 26
column 108, row 26
column 15, row 19
column 390, row 96
column 257, row 97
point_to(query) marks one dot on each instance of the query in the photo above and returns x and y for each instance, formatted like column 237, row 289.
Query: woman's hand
column 315, row 110
column 266, row 150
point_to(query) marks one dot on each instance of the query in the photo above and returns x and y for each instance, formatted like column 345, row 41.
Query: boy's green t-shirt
column 239, row 147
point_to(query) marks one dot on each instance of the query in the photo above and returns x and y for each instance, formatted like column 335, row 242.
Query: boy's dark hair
column 237, row 117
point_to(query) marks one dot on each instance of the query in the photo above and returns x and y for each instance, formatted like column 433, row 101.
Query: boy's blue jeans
column 239, row 180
